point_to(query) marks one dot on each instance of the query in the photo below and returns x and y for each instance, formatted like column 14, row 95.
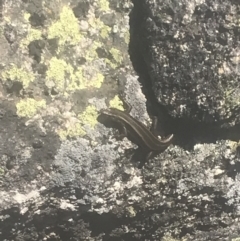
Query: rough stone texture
column 63, row 175
column 190, row 50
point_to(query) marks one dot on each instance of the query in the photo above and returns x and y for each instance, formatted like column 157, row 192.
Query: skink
column 138, row 131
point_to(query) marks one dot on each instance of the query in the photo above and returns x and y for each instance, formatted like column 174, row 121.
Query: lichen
column 33, row 34
column 117, row 58
column 89, row 116
column 97, row 26
column 103, row 5
column 76, row 128
column 62, row 76
column 66, row 29
column 116, row 103
column 29, row 107
column 97, row 80
column 127, row 37
column 91, row 53
column 131, row 211
column 26, row 16
column 56, row 74
column 116, row 54
column 72, row 131
column 18, row 74
column 235, row 239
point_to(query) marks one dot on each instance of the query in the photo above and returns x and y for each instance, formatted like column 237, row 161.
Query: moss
column 18, row 74
column 89, row 116
column 29, row 107
column 72, row 131
column 66, row 29
column 116, row 103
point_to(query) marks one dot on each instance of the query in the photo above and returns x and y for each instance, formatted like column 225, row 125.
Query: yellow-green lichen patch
column 231, row 97
column 66, row 29
column 91, row 53
column 127, row 37
column 1, row 172
column 235, row 239
column 62, row 76
column 103, row 5
column 57, row 74
column 77, row 81
column 117, row 58
column 89, row 116
column 117, row 55
column 97, row 26
column 104, row 31
column 72, row 131
column 116, row 103
column 33, row 34
column 18, row 74
column 29, row 107
column 96, row 81
column 131, row 211
column 26, row 16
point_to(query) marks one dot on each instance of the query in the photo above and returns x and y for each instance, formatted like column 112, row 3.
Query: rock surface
column 190, row 50
column 63, row 174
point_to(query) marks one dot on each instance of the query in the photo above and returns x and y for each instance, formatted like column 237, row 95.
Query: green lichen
column 97, row 24
column 57, row 74
column 117, row 58
column 89, row 116
column 91, row 53
column 2, row 172
column 117, row 55
column 62, row 76
column 131, row 211
column 18, row 74
column 33, row 34
column 235, row 239
column 168, row 237
column 26, row 16
column 29, row 107
column 72, row 131
column 66, row 29
column 231, row 97
column 96, row 81
column 103, row 5
column 127, row 37
column 77, row 81
column 116, row 103
column 104, row 31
